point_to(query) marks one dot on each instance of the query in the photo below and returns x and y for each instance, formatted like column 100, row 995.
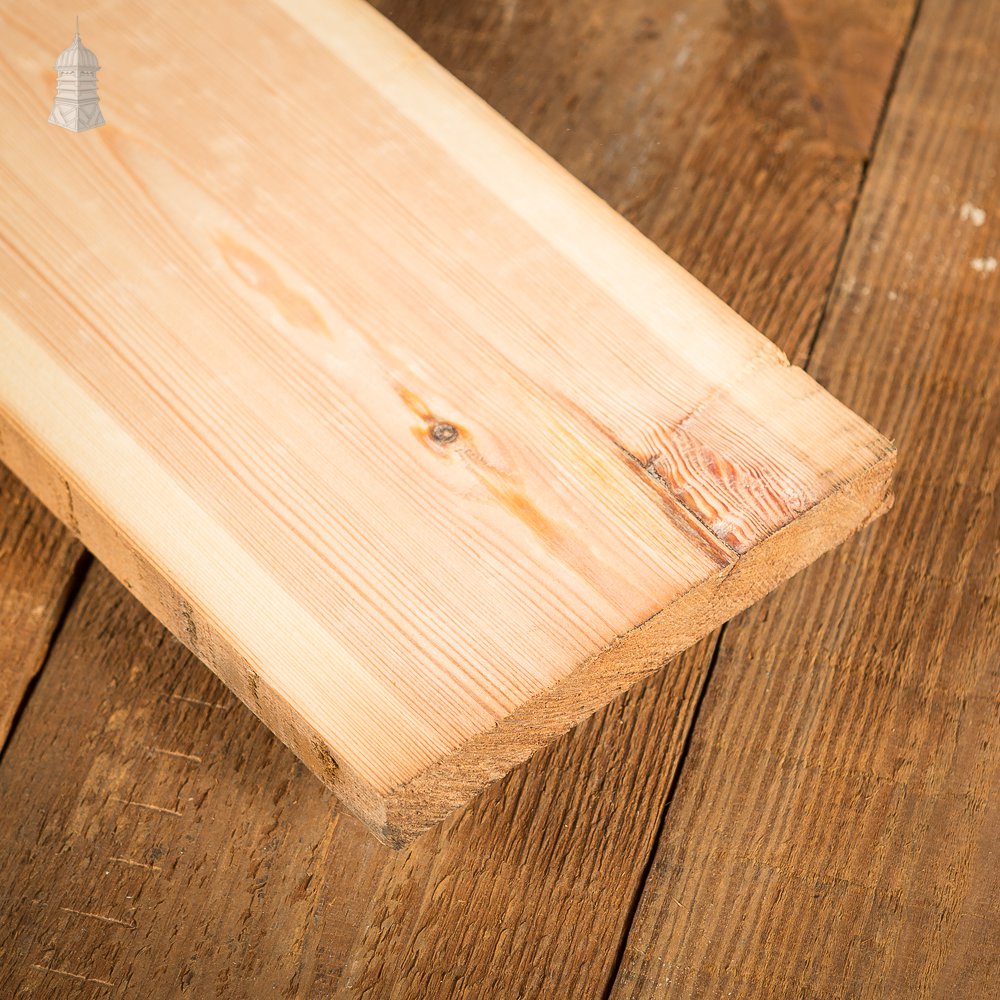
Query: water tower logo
column 76, row 106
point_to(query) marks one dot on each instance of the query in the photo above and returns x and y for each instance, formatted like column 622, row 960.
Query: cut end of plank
column 421, row 447
column 451, row 782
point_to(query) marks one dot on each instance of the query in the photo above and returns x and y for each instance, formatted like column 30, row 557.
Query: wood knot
column 444, row 433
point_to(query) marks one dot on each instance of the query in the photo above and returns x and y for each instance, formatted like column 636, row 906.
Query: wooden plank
column 37, row 563
column 836, row 823
column 449, row 515
column 495, row 894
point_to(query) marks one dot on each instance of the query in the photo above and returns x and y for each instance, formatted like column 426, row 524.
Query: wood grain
column 836, row 825
column 37, row 562
column 527, row 892
column 469, row 454
column 144, row 841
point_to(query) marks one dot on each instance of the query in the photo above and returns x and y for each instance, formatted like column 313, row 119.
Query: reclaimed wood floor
column 805, row 805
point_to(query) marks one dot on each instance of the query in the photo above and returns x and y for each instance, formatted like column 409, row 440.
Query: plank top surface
column 399, row 422
column 785, row 810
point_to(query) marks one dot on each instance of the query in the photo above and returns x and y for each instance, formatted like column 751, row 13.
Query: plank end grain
column 486, row 758
column 429, row 466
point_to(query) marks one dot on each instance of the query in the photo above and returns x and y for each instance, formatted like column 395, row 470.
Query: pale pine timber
column 376, row 367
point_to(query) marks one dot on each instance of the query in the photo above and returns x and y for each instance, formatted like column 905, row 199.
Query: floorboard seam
column 73, row 586
column 662, row 821
column 890, row 92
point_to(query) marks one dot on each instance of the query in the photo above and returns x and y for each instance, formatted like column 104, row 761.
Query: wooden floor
column 805, row 805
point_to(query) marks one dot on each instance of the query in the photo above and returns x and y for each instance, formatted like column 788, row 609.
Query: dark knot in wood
column 444, row 433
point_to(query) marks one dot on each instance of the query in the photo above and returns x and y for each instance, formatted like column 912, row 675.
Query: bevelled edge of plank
column 408, row 810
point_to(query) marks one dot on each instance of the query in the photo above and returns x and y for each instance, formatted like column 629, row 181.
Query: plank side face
column 410, row 437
